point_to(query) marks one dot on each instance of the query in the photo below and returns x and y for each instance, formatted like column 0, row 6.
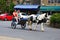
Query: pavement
column 9, row 38
column 7, row 33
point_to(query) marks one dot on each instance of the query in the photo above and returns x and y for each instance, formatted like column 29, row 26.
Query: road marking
column 9, row 38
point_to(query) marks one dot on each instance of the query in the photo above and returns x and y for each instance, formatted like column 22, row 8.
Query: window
column 58, row 1
column 27, row 2
column 53, row 1
column 50, row 1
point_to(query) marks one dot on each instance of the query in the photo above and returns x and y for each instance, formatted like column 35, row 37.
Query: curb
column 9, row 38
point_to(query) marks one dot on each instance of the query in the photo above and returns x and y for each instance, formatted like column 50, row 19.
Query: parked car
column 24, row 15
column 6, row 17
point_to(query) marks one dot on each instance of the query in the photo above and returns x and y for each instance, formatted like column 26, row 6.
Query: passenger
column 19, row 15
column 15, row 15
column 21, row 20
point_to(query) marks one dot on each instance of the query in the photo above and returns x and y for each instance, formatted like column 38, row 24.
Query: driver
column 15, row 15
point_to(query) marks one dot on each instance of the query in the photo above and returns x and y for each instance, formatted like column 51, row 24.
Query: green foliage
column 11, row 7
column 5, row 7
column 55, row 18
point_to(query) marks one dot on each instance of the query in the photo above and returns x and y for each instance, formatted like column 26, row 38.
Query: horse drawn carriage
column 33, row 9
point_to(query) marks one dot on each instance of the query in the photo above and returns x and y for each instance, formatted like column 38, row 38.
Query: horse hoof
column 35, row 29
column 30, row 29
column 42, row 30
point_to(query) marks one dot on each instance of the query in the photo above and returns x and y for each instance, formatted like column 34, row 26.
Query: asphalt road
column 26, row 34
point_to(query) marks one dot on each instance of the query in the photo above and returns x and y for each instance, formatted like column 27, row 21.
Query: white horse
column 40, row 20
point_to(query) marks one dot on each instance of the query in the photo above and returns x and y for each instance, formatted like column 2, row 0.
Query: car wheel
column 5, row 19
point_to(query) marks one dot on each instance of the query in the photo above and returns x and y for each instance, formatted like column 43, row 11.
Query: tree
column 55, row 20
column 11, row 7
column 3, row 5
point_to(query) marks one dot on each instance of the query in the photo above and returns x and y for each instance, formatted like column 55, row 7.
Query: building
column 35, row 2
column 14, row 1
column 50, row 2
column 50, row 6
column 26, row 2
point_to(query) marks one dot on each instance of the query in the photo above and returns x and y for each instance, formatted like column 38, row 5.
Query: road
column 26, row 34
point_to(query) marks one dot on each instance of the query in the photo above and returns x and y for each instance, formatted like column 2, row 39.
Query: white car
column 24, row 15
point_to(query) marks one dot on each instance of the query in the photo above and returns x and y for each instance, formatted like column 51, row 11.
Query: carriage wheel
column 23, row 26
column 13, row 25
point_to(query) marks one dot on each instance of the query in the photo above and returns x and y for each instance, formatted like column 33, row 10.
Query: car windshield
column 24, row 13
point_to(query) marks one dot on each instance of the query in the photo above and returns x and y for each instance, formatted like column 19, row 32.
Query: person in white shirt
column 19, row 14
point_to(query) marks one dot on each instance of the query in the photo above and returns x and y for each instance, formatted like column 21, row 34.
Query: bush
column 55, row 20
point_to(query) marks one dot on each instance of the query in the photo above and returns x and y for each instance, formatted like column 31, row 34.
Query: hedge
column 55, row 20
